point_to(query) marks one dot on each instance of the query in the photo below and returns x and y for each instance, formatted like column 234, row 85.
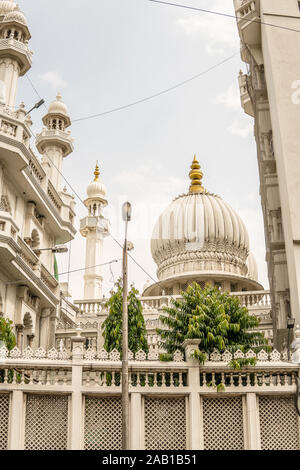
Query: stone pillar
column 52, row 326
column 20, row 329
column 100, row 337
column 17, row 415
column 136, row 421
column 195, row 428
column 76, row 402
column 45, row 327
column 252, row 420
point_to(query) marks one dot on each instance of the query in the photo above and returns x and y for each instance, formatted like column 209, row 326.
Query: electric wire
column 34, row 88
column 137, row 263
column 90, row 267
column 160, row 93
column 228, row 15
column 116, row 241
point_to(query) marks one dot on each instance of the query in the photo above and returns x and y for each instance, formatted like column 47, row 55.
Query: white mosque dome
column 199, row 232
column 7, row 6
column 58, row 106
column 96, row 188
column 15, row 15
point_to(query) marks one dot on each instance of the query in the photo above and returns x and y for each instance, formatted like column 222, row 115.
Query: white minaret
column 54, row 142
column 15, row 56
column 94, row 228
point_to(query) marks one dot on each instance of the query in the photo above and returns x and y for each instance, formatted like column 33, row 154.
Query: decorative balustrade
column 178, row 397
column 251, row 300
column 91, row 307
column 246, row 9
column 255, row 299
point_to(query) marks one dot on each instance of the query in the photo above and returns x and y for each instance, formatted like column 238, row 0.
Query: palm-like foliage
column 216, row 318
column 112, row 326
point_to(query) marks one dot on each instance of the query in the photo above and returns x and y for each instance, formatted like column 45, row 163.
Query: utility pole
column 126, row 210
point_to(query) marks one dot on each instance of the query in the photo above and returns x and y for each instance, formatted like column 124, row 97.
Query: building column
column 76, row 438
column 17, row 415
column 195, row 434
column 52, row 326
column 44, row 327
column 20, row 329
column 136, row 442
column 252, row 420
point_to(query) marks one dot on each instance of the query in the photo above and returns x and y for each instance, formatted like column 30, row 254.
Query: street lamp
column 126, row 213
column 36, row 106
column 56, row 249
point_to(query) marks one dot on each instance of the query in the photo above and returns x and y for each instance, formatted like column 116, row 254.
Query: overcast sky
column 101, row 54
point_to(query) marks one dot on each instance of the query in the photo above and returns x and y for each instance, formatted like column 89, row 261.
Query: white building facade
column 35, row 213
column 269, row 33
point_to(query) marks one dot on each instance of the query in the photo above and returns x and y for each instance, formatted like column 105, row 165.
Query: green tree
column 112, row 326
column 6, row 333
column 216, row 318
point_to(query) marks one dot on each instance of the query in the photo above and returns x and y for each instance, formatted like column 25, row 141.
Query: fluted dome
column 15, row 15
column 58, row 106
column 96, row 189
column 6, row 6
column 199, row 232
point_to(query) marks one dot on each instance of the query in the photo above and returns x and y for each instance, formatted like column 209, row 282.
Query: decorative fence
column 54, row 401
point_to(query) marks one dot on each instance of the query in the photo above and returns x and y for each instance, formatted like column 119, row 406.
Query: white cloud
column 230, row 98
column 150, row 191
column 237, row 129
column 54, row 79
column 220, row 32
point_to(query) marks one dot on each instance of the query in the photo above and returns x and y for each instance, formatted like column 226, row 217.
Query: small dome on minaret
column 16, row 15
column 59, row 110
column 96, row 195
column 7, row 6
column 96, row 189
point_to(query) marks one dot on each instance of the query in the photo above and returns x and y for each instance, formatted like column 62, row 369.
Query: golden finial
column 196, row 176
column 97, row 172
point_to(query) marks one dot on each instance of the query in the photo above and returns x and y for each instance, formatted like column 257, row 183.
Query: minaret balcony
column 248, row 20
column 245, row 96
column 49, row 137
column 91, row 223
column 17, row 50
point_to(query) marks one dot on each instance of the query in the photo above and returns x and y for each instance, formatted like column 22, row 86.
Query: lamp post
column 126, row 212
column 36, row 106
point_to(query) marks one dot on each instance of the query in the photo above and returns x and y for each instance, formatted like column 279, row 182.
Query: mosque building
column 59, row 388
column 198, row 238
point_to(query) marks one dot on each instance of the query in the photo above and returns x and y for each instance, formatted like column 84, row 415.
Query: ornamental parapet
column 55, row 137
column 29, row 368
column 11, row 47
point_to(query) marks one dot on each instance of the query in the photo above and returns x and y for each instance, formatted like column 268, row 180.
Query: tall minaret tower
column 15, row 56
column 94, row 228
column 54, row 142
